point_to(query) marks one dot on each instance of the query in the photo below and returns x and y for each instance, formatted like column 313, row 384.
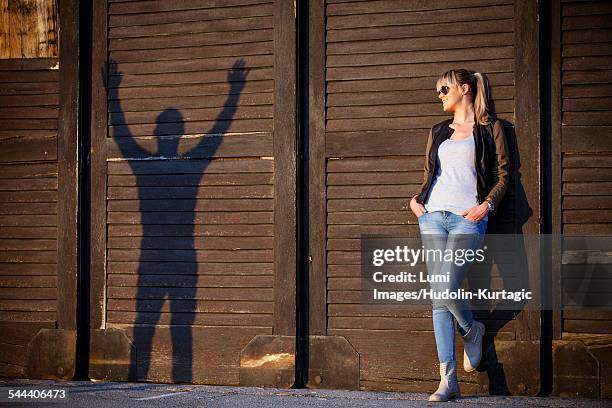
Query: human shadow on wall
column 510, row 218
column 168, row 261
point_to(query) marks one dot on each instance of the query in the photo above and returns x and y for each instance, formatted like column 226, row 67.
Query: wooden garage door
column 377, row 77
column 185, row 186
column 38, row 189
column 583, row 125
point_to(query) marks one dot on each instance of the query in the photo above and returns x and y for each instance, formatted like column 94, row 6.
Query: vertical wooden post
column 556, row 102
column 285, row 262
column 98, row 167
column 67, row 141
column 527, row 126
column 317, row 189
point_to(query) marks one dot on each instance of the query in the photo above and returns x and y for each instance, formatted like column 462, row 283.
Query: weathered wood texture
column 585, row 112
column 185, row 194
column 28, row 29
column 382, row 61
column 28, row 206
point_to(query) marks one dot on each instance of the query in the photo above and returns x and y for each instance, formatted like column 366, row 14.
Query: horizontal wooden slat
column 27, row 244
column 192, row 205
column 200, row 14
column 204, row 179
column 185, row 268
column 28, row 232
column 27, row 269
column 145, row 193
column 389, row 178
column 20, row 148
column 28, row 305
column 202, row 146
column 376, row 143
column 155, row 280
column 178, row 255
column 258, row 294
column 587, row 202
column 28, row 220
column 224, row 230
column 594, row 188
column 28, row 293
column 390, row 191
column 191, row 40
column 368, row 204
column 18, row 316
column 189, row 243
column 30, row 208
column 242, row 165
column 190, row 218
column 587, row 174
column 209, row 306
column 201, row 319
column 185, row 27
column 36, row 256
column 242, row 50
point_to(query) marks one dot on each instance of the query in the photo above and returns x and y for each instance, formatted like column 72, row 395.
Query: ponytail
column 480, row 100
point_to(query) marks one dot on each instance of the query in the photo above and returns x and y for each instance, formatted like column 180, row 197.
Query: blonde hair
column 478, row 87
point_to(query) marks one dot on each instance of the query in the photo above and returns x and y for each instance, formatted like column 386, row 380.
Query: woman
column 466, row 175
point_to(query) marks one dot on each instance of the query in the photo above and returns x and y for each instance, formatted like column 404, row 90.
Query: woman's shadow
column 179, row 263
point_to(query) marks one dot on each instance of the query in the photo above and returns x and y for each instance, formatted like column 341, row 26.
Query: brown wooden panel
column 23, row 146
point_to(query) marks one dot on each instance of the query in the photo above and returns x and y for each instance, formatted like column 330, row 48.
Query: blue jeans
column 445, row 230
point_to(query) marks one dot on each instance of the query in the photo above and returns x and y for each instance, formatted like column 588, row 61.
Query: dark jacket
column 492, row 160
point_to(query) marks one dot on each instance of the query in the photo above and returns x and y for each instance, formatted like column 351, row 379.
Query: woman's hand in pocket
column 476, row 213
column 417, row 208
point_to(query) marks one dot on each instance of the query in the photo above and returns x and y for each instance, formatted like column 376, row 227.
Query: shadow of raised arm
column 126, row 143
column 236, row 77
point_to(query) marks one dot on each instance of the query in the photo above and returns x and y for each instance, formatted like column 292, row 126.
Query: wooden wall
column 28, row 206
column 585, row 131
column 185, row 185
column 582, row 189
column 377, row 77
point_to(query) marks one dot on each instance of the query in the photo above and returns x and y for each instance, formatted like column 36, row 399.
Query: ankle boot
column 449, row 387
column 472, row 346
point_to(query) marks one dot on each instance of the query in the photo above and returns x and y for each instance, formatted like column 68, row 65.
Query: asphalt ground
column 121, row 394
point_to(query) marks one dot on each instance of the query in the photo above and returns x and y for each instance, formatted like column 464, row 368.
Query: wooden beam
column 556, row 165
column 99, row 118
column 317, row 188
column 527, row 128
column 285, row 263
column 67, row 148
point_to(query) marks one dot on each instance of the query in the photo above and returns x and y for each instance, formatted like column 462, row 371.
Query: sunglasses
column 444, row 89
